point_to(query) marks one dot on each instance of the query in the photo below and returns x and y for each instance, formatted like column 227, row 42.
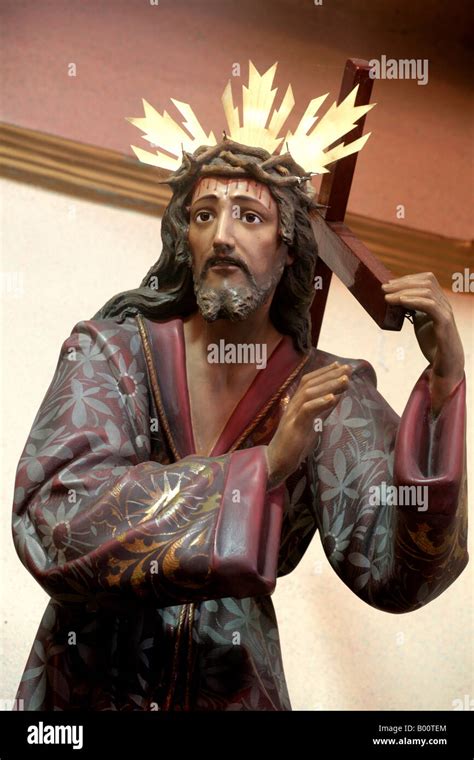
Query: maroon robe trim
column 151, row 364
column 169, row 358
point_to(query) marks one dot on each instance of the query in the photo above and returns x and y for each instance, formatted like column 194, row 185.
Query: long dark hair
column 167, row 289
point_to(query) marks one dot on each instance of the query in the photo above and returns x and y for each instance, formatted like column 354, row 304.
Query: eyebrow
column 213, row 196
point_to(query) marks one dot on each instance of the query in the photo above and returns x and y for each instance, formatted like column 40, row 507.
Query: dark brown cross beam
column 340, row 251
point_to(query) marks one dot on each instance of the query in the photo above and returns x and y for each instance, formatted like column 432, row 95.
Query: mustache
column 212, row 260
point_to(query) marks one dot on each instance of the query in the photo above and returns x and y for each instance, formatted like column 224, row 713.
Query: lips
column 224, row 260
column 224, row 264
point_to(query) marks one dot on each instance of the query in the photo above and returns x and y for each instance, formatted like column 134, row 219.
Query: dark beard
column 233, row 303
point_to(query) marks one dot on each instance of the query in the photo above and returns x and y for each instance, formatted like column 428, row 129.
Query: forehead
column 233, row 187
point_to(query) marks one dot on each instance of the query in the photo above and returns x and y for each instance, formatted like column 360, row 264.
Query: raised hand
column 317, row 394
column 435, row 330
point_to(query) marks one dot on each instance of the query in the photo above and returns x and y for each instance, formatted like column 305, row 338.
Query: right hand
column 318, row 393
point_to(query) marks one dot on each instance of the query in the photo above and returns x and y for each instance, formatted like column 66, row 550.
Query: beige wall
column 338, row 652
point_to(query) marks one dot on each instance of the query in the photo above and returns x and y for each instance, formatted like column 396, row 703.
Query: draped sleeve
column 389, row 495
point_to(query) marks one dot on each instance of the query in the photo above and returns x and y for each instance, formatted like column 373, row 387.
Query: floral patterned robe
column 160, row 563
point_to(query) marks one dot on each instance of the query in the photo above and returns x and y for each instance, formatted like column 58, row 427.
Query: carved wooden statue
column 162, row 492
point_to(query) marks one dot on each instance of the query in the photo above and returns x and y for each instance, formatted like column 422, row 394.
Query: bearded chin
column 230, row 303
column 235, row 304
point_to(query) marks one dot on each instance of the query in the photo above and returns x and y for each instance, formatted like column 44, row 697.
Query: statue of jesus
column 160, row 495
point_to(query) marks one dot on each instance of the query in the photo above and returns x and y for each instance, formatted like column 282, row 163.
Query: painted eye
column 254, row 220
column 203, row 216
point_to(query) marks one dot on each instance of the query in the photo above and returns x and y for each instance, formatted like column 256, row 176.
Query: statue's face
column 237, row 255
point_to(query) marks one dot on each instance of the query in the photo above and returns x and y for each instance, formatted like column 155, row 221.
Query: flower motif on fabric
column 340, row 419
column 91, row 352
column 56, row 531
column 336, row 537
column 340, row 480
column 128, row 388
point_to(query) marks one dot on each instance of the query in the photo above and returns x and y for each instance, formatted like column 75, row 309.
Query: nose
column 224, row 235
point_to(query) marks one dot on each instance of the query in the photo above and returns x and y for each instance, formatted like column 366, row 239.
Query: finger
column 326, row 373
column 320, row 387
column 396, row 286
column 428, row 305
column 309, row 376
column 425, row 277
column 411, row 293
column 335, row 385
column 445, row 311
column 330, row 393
column 312, row 408
column 423, row 291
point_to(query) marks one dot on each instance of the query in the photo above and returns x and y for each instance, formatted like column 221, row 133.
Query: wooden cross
column 340, row 251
